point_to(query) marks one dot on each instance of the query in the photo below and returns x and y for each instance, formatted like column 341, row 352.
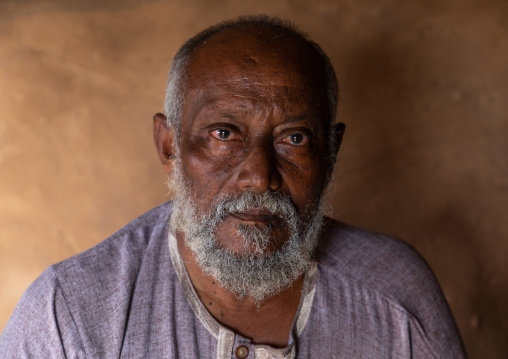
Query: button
column 242, row 351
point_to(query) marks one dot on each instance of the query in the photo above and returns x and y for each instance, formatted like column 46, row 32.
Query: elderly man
column 242, row 263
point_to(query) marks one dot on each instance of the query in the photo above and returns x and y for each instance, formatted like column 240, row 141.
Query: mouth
column 256, row 217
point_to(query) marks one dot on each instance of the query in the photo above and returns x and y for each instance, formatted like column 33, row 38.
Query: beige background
column 425, row 156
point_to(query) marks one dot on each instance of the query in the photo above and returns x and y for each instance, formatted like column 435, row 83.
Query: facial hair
column 256, row 272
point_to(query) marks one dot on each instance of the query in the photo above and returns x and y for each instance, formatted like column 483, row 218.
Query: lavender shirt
column 367, row 296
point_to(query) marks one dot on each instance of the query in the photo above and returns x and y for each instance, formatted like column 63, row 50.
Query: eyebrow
column 310, row 119
column 297, row 118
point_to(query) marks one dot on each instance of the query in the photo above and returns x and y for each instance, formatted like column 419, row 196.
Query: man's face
column 253, row 121
column 254, row 124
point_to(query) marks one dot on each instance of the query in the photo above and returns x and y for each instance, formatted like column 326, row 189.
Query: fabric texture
column 374, row 297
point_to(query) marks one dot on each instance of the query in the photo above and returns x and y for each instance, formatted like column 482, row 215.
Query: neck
column 268, row 322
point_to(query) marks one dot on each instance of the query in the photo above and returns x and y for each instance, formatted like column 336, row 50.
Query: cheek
column 205, row 171
column 305, row 184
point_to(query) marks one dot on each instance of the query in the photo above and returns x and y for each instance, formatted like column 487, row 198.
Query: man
column 252, row 269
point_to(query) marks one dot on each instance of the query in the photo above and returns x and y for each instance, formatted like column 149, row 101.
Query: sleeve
column 42, row 326
column 433, row 332
column 435, row 342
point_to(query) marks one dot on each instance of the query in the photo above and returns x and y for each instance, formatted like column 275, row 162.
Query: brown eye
column 296, row 139
column 221, row 134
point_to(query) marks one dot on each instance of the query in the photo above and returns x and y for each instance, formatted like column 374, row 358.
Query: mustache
column 264, row 203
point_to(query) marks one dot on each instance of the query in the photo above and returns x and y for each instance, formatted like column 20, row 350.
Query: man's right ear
column 164, row 138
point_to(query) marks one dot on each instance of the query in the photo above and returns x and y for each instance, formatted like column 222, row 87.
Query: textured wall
column 425, row 156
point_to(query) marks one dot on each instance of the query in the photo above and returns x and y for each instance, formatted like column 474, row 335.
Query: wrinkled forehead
column 256, row 56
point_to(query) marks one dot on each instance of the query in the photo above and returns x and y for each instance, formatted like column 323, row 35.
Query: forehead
column 257, row 63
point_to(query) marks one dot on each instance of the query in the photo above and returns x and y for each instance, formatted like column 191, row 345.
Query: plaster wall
column 424, row 88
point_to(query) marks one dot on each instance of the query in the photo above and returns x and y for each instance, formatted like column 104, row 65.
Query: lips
column 256, row 216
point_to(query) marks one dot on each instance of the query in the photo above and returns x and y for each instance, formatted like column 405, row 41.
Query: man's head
column 249, row 144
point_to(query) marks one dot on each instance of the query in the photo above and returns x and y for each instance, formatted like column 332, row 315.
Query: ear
column 164, row 138
column 337, row 133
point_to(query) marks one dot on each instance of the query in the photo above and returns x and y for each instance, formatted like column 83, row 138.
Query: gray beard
column 258, row 274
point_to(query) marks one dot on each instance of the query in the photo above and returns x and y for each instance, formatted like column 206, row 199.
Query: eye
column 222, row 134
column 296, row 139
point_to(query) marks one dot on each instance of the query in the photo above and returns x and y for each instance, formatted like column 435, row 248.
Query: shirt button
column 242, row 352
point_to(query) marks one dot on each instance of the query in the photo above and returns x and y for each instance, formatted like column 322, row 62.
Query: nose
column 258, row 171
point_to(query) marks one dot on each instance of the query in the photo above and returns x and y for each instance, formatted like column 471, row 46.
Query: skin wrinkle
column 246, row 104
column 243, row 74
column 254, row 92
column 212, row 104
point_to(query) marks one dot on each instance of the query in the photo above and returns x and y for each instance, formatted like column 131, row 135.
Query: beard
column 255, row 271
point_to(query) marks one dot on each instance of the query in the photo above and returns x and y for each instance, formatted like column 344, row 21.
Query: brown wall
column 425, row 156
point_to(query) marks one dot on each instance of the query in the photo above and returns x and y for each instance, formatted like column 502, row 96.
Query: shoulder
column 384, row 270
column 382, row 294
column 82, row 304
column 383, row 264
column 123, row 250
column 41, row 324
column 102, row 280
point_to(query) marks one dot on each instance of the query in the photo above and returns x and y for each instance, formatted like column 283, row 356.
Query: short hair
column 175, row 88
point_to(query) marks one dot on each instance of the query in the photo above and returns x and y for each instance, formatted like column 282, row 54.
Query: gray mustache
column 268, row 202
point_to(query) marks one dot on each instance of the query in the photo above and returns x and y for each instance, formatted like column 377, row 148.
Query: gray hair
column 175, row 89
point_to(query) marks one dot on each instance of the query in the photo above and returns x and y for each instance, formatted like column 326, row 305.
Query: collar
column 229, row 341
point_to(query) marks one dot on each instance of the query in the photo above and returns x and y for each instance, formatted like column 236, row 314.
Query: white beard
column 257, row 274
